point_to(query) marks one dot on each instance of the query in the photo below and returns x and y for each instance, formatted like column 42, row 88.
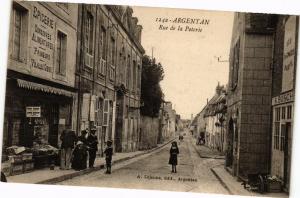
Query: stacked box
column 28, row 166
column 16, row 168
column 274, row 186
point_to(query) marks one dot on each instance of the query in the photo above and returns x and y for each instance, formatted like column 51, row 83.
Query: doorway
column 119, row 122
column 287, row 154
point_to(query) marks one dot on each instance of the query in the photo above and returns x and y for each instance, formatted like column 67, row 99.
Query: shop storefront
column 35, row 114
column 282, row 136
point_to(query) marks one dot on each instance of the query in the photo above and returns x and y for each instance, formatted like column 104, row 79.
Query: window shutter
column 106, row 112
column 92, row 108
column 64, row 55
column 85, row 107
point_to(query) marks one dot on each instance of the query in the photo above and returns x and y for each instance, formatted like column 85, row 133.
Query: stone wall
column 149, row 132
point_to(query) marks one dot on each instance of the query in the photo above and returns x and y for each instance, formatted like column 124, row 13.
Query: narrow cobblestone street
column 152, row 171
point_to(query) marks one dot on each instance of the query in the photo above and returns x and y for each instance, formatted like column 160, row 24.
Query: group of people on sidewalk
column 76, row 151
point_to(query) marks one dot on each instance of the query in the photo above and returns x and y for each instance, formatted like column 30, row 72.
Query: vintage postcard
column 150, row 98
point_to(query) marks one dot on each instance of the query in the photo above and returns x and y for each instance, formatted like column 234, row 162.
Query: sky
column 189, row 58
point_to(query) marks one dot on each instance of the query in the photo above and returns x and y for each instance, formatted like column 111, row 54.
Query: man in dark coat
column 68, row 140
column 108, row 156
column 92, row 142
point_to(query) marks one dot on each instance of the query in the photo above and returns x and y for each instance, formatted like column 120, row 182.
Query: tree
column 151, row 93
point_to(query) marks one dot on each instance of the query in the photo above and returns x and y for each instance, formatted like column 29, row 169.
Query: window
column 128, row 75
column 282, row 137
column 289, row 112
column 106, row 112
column 277, row 114
column 134, row 80
column 89, row 33
column 276, row 128
column 139, row 78
column 61, row 50
column 112, row 52
column 99, row 111
column 19, row 33
column 111, row 73
column 283, row 112
column 276, row 135
column 235, row 65
column 102, row 43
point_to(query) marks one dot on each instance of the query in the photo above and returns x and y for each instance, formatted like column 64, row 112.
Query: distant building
column 210, row 122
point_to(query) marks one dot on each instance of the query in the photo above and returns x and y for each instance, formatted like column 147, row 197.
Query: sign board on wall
column 289, row 54
column 283, row 98
column 33, row 112
column 42, row 41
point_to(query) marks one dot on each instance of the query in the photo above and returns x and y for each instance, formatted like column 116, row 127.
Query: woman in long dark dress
column 174, row 151
column 79, row 156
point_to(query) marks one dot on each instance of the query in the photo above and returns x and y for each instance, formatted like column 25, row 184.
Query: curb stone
column 99, row 167
column 221, row 181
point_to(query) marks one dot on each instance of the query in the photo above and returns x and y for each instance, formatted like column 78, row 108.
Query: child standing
column 108, row 156
column 174, row 151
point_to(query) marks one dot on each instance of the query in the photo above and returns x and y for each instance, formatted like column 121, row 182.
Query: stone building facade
column 261, row 95
column 40, row 91
column 108, row 74
column 214, row 117
column 249, row 94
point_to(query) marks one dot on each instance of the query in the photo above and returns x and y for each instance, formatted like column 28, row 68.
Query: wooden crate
column 27, row 156
column 16, row 168
column 28, row 165
column 274, row 186
column 15, row 158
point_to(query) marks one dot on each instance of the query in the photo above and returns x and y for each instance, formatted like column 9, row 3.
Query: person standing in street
column 108, row 156
column 92, row 142
column 174, row 151
column 79, row 156
column 83, row 137
column 68, row 140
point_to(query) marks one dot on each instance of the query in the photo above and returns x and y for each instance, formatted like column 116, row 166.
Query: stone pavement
column 47, row 176
column 227, row 180
column 205, row 152
column 236, row 188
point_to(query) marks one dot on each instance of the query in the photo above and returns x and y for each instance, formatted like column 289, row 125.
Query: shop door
column 53, row 125
column 26, row 138
column 229, row 155
column 287, row 155
column 119, row 123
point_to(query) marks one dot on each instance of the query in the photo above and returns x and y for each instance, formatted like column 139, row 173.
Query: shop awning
column 44, row 88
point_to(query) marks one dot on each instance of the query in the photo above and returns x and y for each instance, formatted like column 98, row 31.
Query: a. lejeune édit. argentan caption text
column 182, row 24
column 165, row 178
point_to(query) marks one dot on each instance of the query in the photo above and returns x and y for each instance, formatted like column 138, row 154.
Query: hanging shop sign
column 288, row 68
column 33, row 112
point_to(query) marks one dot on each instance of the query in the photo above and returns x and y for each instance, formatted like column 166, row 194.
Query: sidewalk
column 235, row 188
column 205, row 152
column 47, row 176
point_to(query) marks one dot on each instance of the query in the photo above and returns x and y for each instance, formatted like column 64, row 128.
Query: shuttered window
column 61, row 50
column 106, row 112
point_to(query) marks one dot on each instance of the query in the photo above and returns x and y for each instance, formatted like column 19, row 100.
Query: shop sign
column 283, row 98
column 42, row 41
column 288, row 68
column 33, row 112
